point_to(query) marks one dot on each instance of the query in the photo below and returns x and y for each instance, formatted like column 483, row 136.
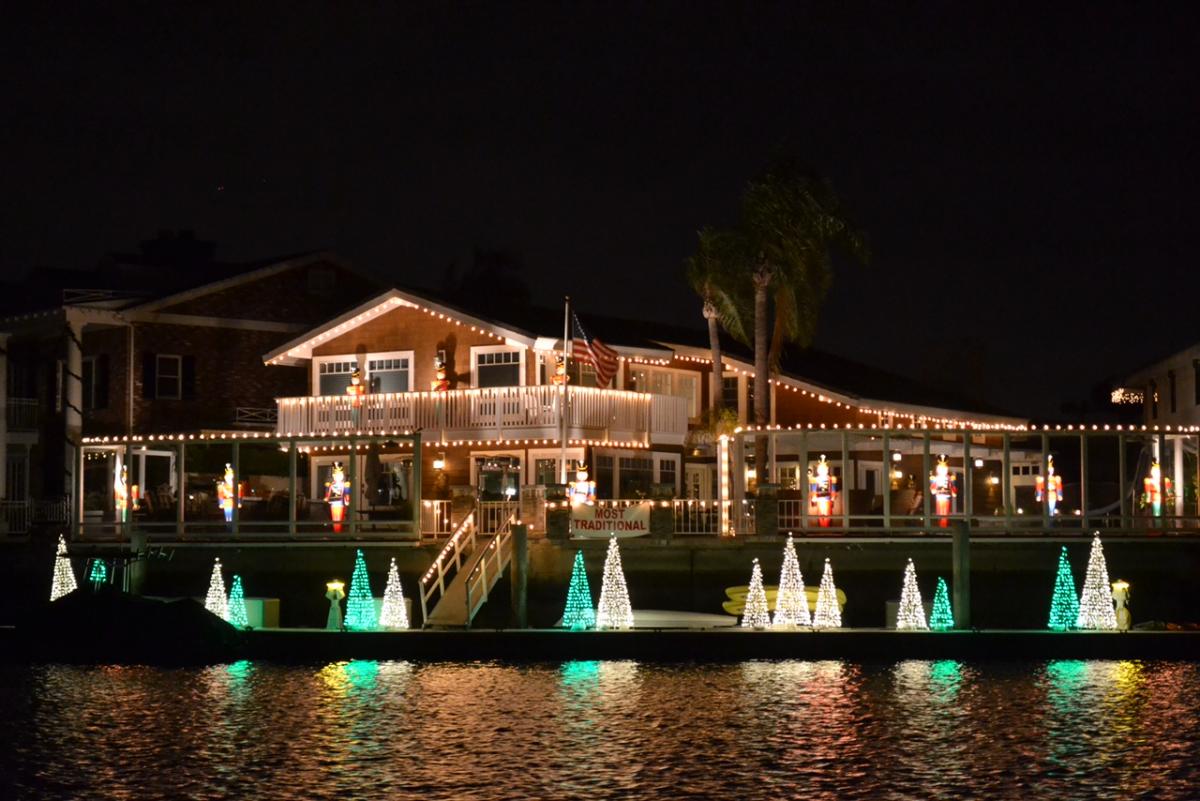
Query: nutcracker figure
column 1156, row 486
column 120, row 489
column 943, row 486
column 225, row 494
column 582, row 490
column 440, row 382
column 1049, row 487
column 560, row 376
column 822, row 491
column 337, row 495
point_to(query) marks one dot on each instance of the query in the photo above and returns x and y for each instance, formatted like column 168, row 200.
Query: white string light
column 911, row 613
column 1096, row 607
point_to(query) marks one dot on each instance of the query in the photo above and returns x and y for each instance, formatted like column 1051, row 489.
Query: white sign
column 602, row 522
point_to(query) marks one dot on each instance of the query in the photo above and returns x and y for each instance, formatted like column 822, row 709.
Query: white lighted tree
column 791, row 601
column 911, row 614
column 756, row 615
column 828, row 614
column 394, row 613
column 216, row 601
column 64, row 576
column 614, row 611
column 1096, row 607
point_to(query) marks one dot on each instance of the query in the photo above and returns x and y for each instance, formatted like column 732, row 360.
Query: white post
column 73, row 399
column 562, row 397
column 1177, row 474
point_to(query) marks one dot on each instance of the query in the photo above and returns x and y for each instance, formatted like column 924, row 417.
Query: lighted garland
column 615, row 611
column 579, row 613
column 942, row 616
column 791, row 601
column 1064, row 606
column 235, row 611
column 360, row 604
column 911, row 613
column 64, row 576
column 1096, row 607
column 756, row 614
column 394, row 612
column 828, row 614
column 215, row 601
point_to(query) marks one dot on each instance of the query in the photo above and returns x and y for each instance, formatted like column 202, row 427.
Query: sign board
column 602, row 522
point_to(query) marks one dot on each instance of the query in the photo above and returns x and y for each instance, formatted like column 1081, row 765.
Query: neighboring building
column 1169, row 389
column 148, row 344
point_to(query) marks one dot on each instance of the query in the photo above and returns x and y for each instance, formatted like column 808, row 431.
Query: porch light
column 979, row 463
column 896, row 456
column 440, row 462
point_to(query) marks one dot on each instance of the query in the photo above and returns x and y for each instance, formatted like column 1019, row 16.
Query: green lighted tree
column 942, row 617
column 98, row 574
column 1064, row 607
column 360, row 606
column 579, row 614
column 235, row 609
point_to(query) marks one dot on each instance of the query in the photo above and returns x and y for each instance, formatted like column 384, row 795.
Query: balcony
column 498, row 413
column 22, row 414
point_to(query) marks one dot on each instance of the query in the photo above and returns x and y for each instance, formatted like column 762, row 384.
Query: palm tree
column 791, row 221
column 713, row 272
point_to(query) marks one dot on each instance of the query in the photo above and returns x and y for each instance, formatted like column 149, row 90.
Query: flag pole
column 562, row 400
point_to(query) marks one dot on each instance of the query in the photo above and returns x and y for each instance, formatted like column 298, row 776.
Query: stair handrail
column 498, row 551
column 461, row 542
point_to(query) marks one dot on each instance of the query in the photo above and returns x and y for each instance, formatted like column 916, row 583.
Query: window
column 680, row 383
column 666, row 472
column 545, row 471
column 604, row 477
column 729, row 392
column 581, row 374
column 636, row 474
column 497, row 367
column 87, row 377
column 388, row 375
column 168, row 382
column 1171, row 388
column 334, row 376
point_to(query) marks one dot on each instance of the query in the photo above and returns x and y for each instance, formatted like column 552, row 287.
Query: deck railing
column 602, row 414
column 22, row 414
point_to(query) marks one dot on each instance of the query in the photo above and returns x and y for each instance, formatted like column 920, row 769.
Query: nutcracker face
column 228, row 476
column 822, row 472
column 1155, row 473
column 581, row 474
column 339, row 474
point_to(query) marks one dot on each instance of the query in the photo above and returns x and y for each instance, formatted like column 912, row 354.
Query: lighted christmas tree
column 942, row 617
column 579, row 614
column 1096, row 606
column 235, row 609
column 215, row 601
column 1064, row 606
column 756, row 614
column 828, row 614
column 911, row 613
column 64, row 576
column 360, row 604
column 98, row 574
column 791, row 601
column 615, row 611
column 394, row 614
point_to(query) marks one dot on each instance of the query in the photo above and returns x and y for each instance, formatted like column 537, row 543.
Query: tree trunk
column 762, row 327
column 715, row 396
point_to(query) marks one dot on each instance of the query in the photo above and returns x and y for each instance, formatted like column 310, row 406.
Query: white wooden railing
column 436, row 520
column 494, row 515
column 497, row 411
column 491, row 566
column 447, row 564
column 22, row 414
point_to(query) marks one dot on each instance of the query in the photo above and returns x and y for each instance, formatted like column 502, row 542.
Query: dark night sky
column 1028, row 181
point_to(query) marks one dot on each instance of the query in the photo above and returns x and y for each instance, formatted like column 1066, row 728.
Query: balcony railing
column 22, row 414
column 494, row 413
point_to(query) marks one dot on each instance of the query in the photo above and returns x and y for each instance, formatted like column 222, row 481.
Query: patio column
column 1046, row 479
column 237, row 478
column 968, row 478
column 845, row 480
column 414, row 492
column 724, row 501
column 926, row 500
column 1083, row 474
column 180, row 486
column 804, row 479
column 1006, row 475
column 355, row 490
column 73, row 397
column 292, row 488
column 1122, row 479
column 1177, row 477
column 886, row 481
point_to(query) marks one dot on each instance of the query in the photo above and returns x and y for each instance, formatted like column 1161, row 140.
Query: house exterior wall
column 1185, row 366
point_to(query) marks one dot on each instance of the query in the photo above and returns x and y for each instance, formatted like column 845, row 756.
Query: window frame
column 87, row 388
column 360, row 362
column 477, row 350
column 158, row 376
column 696, row 375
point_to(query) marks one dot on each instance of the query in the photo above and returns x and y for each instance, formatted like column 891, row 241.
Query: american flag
column 594, row 352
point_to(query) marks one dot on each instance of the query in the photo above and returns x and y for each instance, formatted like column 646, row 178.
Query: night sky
column 1028, row 181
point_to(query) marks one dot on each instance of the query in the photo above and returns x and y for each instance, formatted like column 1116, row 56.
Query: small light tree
column 1096, row 606
column 615, row 611
column 64, row 576
column 236, row 608
column 394, row 613
column 1064, row 606
column 942, row 617
column 360, row 604
column 756, row 615
column 98, row 574
column 911, row 613
column 579, row 614
column 828, row 614
column 215, row 601
column 791, row 601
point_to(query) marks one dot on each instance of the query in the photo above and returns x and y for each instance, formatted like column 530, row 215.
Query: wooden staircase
column 466, row 570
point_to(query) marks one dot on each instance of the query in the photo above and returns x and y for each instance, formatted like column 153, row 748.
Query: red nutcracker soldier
column 225, row 494
column 440, row 382
column 822, row 491
column 1155, row 486
column 337, row 495
column 943, row 486
column 120, row 489
column 1049, row 487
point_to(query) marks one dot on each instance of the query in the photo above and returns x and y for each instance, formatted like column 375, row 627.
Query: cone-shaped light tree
column 911, row 613
column 394, row 613
column 1096, row 606
column 1064, row 606
column 215, row 601
column 615, row 611
column 942, row 617
column 756, row 615
column 828, row 614
column 98, row 574
column 64, row 576
column 235, row 610
column 360, row 604
column 579, row 614
column 791, row 601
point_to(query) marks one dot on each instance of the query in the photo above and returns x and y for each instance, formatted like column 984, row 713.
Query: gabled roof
column 247, row 274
